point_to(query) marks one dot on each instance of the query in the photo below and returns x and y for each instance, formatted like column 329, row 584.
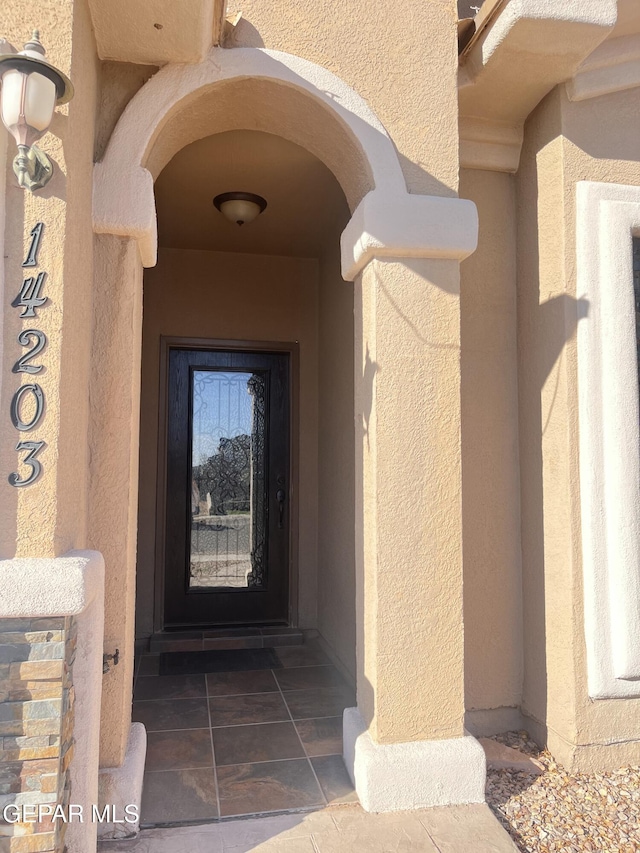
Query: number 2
column 24, row 338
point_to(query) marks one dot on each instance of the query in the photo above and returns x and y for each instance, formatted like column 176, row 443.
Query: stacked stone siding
column 36, row 728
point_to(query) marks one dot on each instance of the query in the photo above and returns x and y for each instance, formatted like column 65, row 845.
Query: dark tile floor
column 225, row 638
column 241, row 743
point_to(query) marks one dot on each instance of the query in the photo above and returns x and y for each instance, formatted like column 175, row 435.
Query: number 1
column 32, row 255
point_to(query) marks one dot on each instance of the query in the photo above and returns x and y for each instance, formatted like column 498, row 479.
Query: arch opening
column 270, row 107
column 274, row 282
column 246, row 89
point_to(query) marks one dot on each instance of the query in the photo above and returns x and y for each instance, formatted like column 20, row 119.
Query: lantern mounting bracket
column 32, row 168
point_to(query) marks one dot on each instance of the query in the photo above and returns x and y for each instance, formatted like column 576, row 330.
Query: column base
column 120, row 787
column 414, row 775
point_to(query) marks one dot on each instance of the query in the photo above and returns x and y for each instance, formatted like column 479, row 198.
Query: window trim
column 608, row 217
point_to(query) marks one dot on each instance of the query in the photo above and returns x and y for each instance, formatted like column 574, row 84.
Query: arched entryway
column 276, row 280
column 229, row 307
column 402, row 251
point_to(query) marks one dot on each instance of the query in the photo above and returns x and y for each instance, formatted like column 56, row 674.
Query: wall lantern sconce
column 240, row 207
column 31, row 88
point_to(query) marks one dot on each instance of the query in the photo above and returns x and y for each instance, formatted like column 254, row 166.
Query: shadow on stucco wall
column 545, row 389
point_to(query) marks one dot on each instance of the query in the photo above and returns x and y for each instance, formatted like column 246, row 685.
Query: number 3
column 34, row 447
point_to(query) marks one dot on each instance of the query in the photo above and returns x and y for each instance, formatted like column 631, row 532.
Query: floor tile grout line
column 304, row 749
column 204, row 695
column 176, row 699
column 167, row 731
column 242, row 764
column 218, row 696
column 239, row 725
column 213, row 750
column 297, row 666
column 178, row 769
column 232, row 695
column 269, row 761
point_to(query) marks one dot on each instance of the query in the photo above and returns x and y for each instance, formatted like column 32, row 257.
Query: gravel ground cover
column 559, row 812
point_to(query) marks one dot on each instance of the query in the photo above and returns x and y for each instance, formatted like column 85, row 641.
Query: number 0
column 16, row 420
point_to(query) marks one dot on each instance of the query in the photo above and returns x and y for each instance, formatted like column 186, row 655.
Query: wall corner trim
column 608, row 216
column 408, row 226
column 613, row 67
column 50, row 586
column 493, row 146
column 415, row 775
column 120, row 787
column 70, row 585
column 127, row 209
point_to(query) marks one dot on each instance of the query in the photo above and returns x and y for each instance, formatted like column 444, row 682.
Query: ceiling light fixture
column 240, row 207
column 31, row 88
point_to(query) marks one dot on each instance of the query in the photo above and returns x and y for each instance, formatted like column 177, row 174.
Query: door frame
column 168, row 342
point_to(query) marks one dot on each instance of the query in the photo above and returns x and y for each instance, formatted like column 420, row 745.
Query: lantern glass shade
column 28, row 101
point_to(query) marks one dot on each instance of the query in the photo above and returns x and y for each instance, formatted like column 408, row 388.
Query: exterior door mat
column 217, row 660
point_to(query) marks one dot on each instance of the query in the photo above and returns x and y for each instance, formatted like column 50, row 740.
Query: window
column 608, row 266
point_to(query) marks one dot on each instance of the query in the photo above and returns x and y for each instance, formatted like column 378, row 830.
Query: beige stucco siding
column 336, row 454
column 419, row 44
column 51, row 517
column 612, row 157
column 490, row 482
column 564, row 143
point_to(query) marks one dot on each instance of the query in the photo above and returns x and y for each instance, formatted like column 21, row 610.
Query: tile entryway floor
column 227, row 744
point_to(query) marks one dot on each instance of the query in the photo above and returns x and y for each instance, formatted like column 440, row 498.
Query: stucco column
column 405, row 744
column 113, row 501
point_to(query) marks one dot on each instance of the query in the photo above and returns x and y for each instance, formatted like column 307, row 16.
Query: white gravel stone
column 558, row 812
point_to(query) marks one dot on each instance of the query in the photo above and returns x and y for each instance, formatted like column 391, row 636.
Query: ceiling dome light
column 240, row 207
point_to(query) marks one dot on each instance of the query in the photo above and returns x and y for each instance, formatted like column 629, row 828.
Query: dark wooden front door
column 226, row 533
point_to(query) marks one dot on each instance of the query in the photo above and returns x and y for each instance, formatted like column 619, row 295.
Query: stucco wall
column 231, row 297
column 564, row 142
column 408, row 500
column 408, row 77
column 336, row 453
column 490, row 483
column 113, row 467
column 544, row 333
column 612, row 156
column 119, row 82
column 50, row 517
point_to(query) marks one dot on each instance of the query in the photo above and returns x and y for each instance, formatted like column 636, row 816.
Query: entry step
column 225, row 638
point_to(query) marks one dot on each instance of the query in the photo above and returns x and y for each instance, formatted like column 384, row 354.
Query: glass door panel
column 228, row 487
column 226, row 524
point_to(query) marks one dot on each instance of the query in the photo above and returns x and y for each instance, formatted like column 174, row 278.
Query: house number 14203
column 29, row 299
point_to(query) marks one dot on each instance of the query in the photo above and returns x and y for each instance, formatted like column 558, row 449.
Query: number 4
column 29, row 297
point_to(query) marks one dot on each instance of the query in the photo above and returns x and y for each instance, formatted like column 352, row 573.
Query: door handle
column 280, row 496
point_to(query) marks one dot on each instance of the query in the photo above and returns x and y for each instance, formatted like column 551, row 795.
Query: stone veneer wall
column 36, row 727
